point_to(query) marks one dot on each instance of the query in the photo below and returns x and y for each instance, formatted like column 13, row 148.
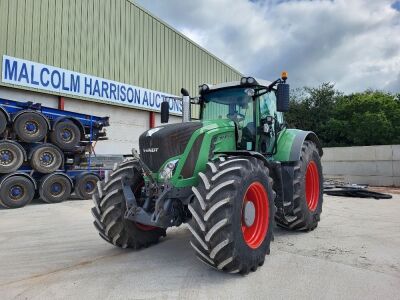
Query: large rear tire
column 16, row 191
column 55, row 188
column 30, row 127
column 46, row 158
column 303, row 211
column 233, row 214
column 11, row 156
column 110, row 208
column 66, row 135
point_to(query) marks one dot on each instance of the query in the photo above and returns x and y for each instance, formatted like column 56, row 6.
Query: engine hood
column 159, row 144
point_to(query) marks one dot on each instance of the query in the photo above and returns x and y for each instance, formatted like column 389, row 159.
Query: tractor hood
column 159, row 144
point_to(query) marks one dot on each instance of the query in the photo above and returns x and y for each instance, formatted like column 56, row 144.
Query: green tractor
column 229, row 176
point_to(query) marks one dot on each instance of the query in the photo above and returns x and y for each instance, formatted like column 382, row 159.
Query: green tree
column 312, row 108
column 367, row 118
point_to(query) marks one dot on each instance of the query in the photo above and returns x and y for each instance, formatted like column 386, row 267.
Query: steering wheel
column 236, row 117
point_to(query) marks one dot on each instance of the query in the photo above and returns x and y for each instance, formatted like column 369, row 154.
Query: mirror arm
column 274, row 83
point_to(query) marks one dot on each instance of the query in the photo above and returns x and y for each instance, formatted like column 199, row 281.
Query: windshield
column 232, row 103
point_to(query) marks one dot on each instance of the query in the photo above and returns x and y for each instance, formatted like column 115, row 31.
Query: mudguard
column 290, row 142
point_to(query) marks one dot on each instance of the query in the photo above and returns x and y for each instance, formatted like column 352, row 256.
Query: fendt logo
column 152, row 150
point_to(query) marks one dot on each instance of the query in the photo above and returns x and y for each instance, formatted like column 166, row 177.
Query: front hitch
column 161, row 217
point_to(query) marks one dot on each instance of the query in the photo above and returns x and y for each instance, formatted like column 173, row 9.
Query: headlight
column 168, row 170
column 248, row 81
column 251, row 80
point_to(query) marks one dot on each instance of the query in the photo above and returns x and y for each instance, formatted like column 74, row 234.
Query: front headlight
column 168, row 170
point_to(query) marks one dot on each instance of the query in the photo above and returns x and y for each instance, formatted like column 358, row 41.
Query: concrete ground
column 53, row 251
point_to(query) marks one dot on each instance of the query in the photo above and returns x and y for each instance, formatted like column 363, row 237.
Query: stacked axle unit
column 45, row 152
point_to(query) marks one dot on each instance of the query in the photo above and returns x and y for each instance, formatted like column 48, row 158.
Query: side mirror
column 282, row 97
column 164, row 112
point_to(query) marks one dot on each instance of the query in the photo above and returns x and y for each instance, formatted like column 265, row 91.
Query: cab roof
column 259, row 82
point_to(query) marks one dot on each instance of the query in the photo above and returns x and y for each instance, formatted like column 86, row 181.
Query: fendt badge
column 150, row 150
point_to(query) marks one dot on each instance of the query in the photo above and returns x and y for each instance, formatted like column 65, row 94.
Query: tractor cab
column 254, row 106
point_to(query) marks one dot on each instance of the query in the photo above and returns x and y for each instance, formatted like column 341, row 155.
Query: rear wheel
column 86, row 185
column 55, row 188
column 3, row 122
column 46, row 158
column 11, row 156
column 232, row 214
column 304, row 210
column 16, row 191
column 66, row 135
column 110, row 208
column 30, row 127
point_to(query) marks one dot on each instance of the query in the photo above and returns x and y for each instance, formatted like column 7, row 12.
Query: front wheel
column 233, row 214
column 110, row 208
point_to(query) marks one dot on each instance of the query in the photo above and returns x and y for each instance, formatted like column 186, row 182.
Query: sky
column 354, row 44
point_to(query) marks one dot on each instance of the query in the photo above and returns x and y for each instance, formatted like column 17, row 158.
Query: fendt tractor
column 229, row 176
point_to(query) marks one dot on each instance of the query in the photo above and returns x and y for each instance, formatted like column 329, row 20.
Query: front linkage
column 167, row 201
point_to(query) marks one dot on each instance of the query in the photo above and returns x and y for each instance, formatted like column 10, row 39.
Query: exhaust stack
column 185, row 105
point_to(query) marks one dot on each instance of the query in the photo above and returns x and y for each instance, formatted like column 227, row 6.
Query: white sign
column 44, row 77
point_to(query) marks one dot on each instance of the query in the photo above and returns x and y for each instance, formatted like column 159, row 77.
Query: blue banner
column 44, row 77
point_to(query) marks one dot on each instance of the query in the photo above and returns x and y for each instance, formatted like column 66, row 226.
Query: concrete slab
column 53, row 251
column 359, row 168
column 361, row 153
column 396, row 152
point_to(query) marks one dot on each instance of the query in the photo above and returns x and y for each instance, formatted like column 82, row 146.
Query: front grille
column 169, row 141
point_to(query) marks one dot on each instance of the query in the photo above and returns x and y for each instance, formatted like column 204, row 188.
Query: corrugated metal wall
column 114, row 39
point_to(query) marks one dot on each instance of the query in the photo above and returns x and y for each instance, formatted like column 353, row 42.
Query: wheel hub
column 31, row 127
column 66, row 135
column 249, row 213
column 255, row 215
column 46, row 158
column 56, row 188
column 89, row 186
column 6, row 157
column 16, row 192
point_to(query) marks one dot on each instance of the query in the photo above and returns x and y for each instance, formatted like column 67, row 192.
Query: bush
column 358, row 119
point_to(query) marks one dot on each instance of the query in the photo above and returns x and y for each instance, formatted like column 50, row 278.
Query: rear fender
column 290, row 142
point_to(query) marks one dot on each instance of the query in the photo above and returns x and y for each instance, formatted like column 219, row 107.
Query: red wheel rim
column 312, row 186
column 140, row 225
column 255, row 233
column 144, row 227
